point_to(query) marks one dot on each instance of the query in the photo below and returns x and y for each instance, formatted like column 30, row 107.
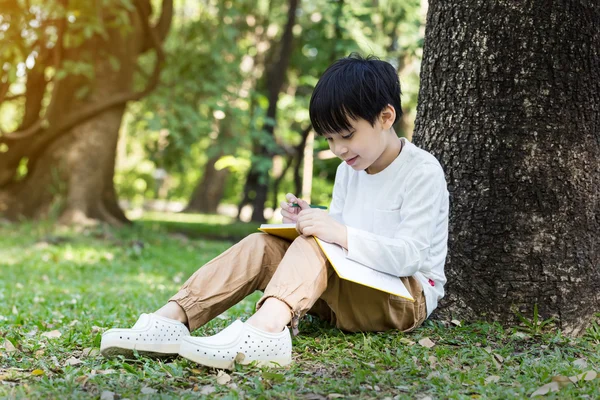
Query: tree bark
column 71, row 163
column 509, row 100
column 257, row 181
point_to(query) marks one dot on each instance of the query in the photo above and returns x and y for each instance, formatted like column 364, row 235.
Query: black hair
column 353, row 87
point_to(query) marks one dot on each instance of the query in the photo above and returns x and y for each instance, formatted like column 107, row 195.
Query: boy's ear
column 388, row 116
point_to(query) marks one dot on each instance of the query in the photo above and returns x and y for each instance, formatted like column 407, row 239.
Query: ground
column 61, row 288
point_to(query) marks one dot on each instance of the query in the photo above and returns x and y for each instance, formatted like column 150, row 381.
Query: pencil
column 311, row 206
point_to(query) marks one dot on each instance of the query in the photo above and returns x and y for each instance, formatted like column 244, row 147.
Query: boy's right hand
column 289, row 213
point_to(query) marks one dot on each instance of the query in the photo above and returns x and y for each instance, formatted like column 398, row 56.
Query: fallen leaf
column 586, row 376
column 335, row 396
column 426, row 342
column 82, row 380
column 547, row 388
column 581, row 363
column 432, row 361
column 107, row 395
column 14, row 310
column 492, row 379
column 456, row 322
column 434, row 374
column 96, row 329
column 37, row 372
column 562, row 380
column 196, row 371
column 207, row 389
column 223, row 378
column 52, row 334
column 106, row 371
column 148, row 390
column 499, row 357
column 90, row 352
column 9, row 347
column 73, row 361
column 406, row 341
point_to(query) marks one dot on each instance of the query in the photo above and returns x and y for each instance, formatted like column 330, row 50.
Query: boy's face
column 364, row 146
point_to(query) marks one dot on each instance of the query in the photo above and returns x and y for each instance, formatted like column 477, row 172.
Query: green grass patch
column 77, row 283
column 215, row 227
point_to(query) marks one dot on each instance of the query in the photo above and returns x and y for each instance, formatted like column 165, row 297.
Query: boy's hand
column 289, row 213
column 315, row 222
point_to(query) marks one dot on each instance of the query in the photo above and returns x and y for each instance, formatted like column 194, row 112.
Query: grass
column 81, row 282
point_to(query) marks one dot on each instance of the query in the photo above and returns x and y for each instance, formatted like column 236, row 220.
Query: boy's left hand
column 315, row 222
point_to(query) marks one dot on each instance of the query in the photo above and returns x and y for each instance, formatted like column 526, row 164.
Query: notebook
column 347, row 269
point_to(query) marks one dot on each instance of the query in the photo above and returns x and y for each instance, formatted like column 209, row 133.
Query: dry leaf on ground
column 492, row 379
column 52, row 334
column 586, row 376
column 223, row 378
column 9, row 347
column 547, row 388
column 73, row 361
column 426, row 342
column 581, row 363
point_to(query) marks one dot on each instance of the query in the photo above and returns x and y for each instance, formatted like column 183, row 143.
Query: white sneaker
column 239, row 343
column 152, row 335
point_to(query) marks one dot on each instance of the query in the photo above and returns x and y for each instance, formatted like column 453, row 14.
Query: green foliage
column 593, row 331
column 83, row 282
column 213, row 98
column 536, row 325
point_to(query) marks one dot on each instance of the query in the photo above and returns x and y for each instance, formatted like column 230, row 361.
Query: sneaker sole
column 191, row 353
column 116, row 347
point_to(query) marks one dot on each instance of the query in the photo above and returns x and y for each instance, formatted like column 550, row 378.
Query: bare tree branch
column 163, row 25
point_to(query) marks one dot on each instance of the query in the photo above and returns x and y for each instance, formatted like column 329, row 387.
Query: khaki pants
column 298, row 274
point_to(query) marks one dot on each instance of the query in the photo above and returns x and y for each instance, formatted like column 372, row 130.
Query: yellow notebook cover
column 285, row 231
column 345, row 268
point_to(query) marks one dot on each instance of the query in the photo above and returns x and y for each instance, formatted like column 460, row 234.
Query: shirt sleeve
column 403, row 254
column 339, row 195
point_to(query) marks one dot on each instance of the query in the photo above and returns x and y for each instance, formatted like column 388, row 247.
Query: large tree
column 510, row 104
column 81, row 58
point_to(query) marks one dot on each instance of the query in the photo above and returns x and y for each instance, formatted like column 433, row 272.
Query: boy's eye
column 348, row 136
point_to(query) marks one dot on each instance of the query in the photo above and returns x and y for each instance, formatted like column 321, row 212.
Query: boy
column 389, row 211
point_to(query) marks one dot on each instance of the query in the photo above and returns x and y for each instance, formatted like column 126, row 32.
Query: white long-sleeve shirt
column 397, row 219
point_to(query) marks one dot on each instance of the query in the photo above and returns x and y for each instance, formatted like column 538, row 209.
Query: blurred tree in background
column 67, row 73
column 228, row 122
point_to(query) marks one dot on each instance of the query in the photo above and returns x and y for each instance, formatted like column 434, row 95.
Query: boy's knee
column 257, row 240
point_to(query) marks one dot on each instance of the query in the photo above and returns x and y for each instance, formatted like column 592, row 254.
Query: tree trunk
column 209, row 191
column 258, row 180
column 72, row 170
column 509, row 104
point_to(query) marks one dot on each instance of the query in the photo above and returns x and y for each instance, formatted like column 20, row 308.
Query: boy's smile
column 366, row 147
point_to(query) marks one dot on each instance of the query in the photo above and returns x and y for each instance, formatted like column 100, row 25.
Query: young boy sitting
column 389, row 210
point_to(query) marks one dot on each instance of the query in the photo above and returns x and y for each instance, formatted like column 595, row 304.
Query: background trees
column 68, row 72
column 509, row 103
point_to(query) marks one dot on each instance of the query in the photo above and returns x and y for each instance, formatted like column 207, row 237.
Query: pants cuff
column 189, row 306
column 296, row 314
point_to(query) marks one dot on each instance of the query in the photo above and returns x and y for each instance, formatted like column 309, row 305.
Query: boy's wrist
column 343, row 237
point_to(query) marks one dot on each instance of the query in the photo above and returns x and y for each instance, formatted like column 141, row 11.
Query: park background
column 139, row 139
